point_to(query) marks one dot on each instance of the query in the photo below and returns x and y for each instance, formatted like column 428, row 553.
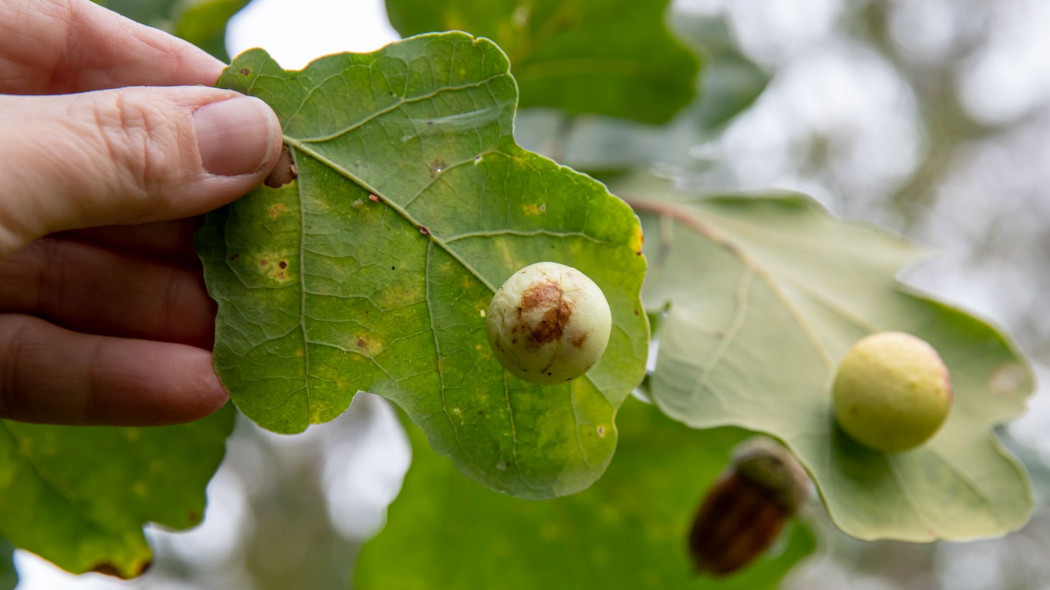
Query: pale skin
column 112, row 145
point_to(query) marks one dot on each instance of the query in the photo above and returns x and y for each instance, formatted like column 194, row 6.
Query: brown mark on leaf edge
column 546, row 296
column 284, row 172
column 109, row 569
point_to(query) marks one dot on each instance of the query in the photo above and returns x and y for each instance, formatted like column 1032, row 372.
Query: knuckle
column 142, row 134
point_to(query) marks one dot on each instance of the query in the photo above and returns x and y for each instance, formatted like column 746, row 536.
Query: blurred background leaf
column 8, row 573
column 727, row 86
column 79, row 496
column 201, row 22
column 629, row 530
column 609, row 57
column 766, row 293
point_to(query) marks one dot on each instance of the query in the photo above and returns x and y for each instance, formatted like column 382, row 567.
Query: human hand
column 104, row 318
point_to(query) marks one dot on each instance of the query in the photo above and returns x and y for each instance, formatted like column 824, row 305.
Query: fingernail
column 235, row 136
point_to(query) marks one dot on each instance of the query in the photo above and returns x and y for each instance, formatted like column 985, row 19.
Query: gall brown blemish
column 546, row 296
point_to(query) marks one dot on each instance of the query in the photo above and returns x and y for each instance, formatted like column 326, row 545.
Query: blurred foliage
column 608, row 57
column 728, row 85
column 80, row 496
column 201, row 22
column 8, row 574
column 627, row 531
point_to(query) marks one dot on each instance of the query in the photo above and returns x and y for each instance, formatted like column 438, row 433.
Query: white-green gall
column 892, row 392
column 548, row 323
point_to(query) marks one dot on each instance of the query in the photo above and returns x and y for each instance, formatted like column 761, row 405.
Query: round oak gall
column 891, row 392
column 548, row 323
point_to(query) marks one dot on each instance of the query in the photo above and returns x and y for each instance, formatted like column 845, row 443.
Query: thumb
column 127, row 156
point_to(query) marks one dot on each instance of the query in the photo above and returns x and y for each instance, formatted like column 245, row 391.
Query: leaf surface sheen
column 373, row 271
column 766, row 295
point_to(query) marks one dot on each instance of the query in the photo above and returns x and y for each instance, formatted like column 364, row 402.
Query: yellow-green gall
column 548, row 323
column 892, row 392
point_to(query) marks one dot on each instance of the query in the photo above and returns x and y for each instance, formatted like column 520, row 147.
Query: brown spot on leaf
column 545, row 297
column 601, row 431
column 245, row 72
column 235, row 257
column 282, row 264
column 362, row 343
column 194, row 516
column 276, row 210
column 424, row 230
column 437, row 166
column 264, row 263
column 284, row 172
column 373, row 198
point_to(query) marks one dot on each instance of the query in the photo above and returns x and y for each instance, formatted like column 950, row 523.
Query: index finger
column 67, row 46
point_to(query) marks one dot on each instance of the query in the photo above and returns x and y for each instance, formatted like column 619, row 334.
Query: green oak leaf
column 373, row 271
column 8, row 572
column 79, row 496
column 766, row 294
column 628, row 530
column 606, row 57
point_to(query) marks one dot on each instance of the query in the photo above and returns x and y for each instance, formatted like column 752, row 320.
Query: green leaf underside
column 627, row 531
column 767, row 294
column 373, row 271
column 605, row 57
column 79, row 496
